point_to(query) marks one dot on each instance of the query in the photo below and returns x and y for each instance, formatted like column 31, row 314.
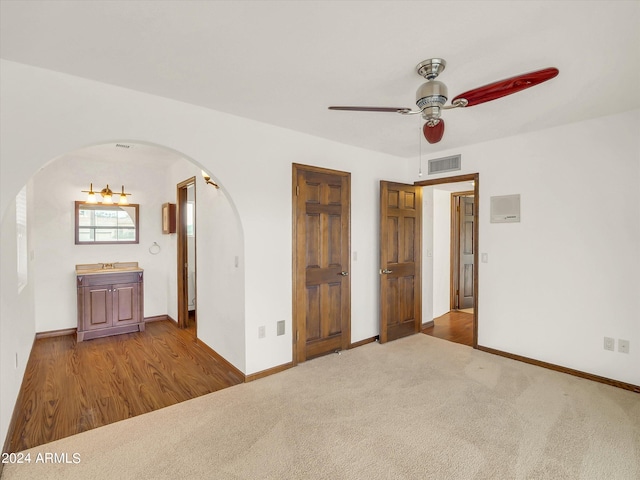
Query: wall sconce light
column 91, row 195
column 107, row 196
column 123, row 197
column 208, row 180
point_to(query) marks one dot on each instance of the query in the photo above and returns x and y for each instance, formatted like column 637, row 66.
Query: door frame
column 182, row 253
column 470, row 177
column 296, row 320
column 455, row 247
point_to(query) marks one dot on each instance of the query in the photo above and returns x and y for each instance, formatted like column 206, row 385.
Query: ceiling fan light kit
column 431, row 96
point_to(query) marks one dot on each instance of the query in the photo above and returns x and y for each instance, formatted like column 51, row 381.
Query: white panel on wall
column 441, row 252
column 505, row 209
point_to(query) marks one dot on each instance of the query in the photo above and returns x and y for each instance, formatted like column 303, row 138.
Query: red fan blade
column 434, row 134
column 372, row 109
column 506, row 87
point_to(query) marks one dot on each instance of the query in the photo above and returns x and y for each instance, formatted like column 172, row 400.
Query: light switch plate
column 623, row 346
column 280, row 325
column 609, row 344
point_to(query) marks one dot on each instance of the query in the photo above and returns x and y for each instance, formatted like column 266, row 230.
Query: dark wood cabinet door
column 98, row 307
column 125, row 303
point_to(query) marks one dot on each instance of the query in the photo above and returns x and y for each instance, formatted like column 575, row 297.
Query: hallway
column 455, row 326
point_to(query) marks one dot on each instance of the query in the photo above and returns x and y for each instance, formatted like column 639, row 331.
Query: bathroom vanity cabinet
column 110, row 300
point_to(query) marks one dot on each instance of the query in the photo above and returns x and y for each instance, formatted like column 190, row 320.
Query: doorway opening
column 186, row 233
column 462, row 248
column 451, row 258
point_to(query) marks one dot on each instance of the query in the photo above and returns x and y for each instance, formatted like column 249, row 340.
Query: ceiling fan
column 432, row 95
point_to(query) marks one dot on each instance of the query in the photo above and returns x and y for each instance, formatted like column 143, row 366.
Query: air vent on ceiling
column 445, row 164
column 122, row 145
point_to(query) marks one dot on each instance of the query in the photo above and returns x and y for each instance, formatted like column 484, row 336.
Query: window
column 21, row 238
column 100, row 224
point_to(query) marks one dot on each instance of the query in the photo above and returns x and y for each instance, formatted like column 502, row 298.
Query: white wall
column 427, row 254
column 441, row 252
column 565, row 277
column 17, row 318
column 219, row 264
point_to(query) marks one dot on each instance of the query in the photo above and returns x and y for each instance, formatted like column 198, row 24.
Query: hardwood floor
column 191, row 323
column 455, row 326
column 72, row 387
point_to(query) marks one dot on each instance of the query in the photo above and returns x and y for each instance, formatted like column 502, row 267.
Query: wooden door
column 321, row 236
column 466, row 253
column 400, row 260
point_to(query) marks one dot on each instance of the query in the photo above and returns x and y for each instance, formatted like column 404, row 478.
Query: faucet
column 107, row 265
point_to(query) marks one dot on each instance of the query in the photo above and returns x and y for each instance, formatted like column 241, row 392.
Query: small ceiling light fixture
column 107, row 196
column 207, row 179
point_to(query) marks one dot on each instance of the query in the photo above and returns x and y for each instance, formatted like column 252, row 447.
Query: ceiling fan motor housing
column 430, row 97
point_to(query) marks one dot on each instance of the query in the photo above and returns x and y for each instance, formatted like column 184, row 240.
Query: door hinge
column 297, row 190
column 298, row 336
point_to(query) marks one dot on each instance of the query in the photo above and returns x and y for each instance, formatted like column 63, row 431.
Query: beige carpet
column 466, row 310
column 416, row 408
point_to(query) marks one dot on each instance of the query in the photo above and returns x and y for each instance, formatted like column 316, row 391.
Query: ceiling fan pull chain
column 420, row 149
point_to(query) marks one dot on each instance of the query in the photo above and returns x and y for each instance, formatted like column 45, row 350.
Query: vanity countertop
column 102, row 268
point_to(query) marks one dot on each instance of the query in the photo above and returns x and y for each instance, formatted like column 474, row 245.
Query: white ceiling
column 284, row 62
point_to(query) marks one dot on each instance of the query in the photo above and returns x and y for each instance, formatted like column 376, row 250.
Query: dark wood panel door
column 466, row 258
column 400, row 260
column 322, row 301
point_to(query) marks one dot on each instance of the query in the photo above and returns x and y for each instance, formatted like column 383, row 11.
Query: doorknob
column 344, row 274
column 386, row 271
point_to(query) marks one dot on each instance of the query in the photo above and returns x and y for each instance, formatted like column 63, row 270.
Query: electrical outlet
column 609, row 343
column 280, row 326
column 261, row 332
column 623, row 346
